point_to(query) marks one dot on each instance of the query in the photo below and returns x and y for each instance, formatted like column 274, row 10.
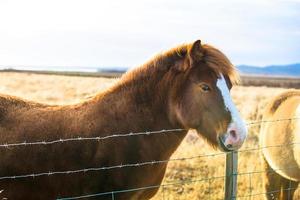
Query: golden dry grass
column 195, row 175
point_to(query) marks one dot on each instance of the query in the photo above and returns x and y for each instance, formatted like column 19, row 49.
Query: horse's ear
column 196, row 52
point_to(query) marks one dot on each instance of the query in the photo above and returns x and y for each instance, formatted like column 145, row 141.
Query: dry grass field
column 271, row 81
column 196, row 175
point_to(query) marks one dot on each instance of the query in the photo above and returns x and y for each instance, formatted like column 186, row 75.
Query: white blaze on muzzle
column 236, row 132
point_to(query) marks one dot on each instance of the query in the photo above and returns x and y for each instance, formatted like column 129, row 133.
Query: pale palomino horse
column 280, row 142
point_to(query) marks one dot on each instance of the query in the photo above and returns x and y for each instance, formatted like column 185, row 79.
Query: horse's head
column 202, row 101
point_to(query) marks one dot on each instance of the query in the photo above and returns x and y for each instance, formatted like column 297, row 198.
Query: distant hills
column 292, row 70
column 272, row 70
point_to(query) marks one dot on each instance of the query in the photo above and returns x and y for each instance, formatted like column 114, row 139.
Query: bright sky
column 128, row 32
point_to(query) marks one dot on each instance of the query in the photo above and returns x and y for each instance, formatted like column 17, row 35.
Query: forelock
column 219, row 63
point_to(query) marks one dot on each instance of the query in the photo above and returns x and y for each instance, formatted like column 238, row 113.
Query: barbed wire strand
column 262, row 193
column 106, row 167
column 266, row 147
column 271, row 121
column 144, row 188
column 263, row 171
column 99, row 138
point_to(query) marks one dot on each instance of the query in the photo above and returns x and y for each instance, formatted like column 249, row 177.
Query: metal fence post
column 231, row 175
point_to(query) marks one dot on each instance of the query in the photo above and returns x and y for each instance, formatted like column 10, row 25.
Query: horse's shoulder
column 276, row 102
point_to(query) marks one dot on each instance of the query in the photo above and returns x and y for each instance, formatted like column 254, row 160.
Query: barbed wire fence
column 231, row 170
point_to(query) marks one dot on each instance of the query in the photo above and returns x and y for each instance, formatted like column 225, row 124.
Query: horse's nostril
column 232, row 133
column 229, row 146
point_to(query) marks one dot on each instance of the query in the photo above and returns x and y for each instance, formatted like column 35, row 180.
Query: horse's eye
column 205, row 88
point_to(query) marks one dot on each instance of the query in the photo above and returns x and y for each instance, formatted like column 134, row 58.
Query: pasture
column 198, row 178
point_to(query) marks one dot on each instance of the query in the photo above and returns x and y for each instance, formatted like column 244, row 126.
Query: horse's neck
column 132, row 107
column 133, row 104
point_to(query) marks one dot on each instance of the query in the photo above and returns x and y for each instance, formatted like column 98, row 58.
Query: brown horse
column 282, row 161
column 185, row 87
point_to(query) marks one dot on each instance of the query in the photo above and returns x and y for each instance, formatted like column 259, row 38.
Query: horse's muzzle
column 234, row 138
